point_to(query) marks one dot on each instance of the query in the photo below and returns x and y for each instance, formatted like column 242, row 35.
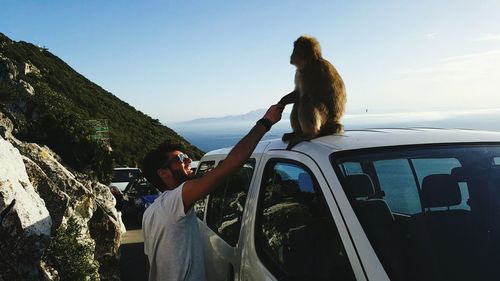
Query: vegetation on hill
column 64, row 102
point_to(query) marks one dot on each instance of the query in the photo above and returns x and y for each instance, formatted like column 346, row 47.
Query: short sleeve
column 173, row 202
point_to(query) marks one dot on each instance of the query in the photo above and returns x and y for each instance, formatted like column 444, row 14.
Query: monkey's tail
column 331, row 128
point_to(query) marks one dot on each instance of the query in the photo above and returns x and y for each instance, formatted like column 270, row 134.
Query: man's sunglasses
column 178, row 158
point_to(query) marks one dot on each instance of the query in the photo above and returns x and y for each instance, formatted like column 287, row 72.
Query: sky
column 182, row 60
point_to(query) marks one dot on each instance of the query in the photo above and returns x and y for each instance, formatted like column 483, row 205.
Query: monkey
column 319, row 96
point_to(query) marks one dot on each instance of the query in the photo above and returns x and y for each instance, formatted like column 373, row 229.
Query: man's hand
column 274, row 112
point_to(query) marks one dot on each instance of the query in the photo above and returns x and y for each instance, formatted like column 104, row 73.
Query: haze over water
column 213, row 133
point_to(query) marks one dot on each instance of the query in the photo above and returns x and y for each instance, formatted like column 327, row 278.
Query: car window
column 296, row 236
column 496, row 160
column 140, row 188
column 428, row 166
column 429, row 212
column 227, row 202
column 199, row 206
column 125, row 175
column 352, row 168
column 398, row 184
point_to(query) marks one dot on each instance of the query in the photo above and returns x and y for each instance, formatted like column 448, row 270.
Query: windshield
column 430, row 213
column 141, row 189
column 125, row 175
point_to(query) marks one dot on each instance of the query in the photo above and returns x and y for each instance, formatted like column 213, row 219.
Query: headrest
column 359, row 185
column 440, row 190
column 459, row 174
column 305, row 182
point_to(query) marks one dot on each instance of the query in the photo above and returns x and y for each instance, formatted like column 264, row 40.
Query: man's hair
column 155, row 159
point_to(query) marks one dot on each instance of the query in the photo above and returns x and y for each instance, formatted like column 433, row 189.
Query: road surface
column 132, row 259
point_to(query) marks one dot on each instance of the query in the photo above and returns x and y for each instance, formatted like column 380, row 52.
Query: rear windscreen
column 125, row 175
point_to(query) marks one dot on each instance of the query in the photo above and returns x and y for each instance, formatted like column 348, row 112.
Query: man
column 172, row 241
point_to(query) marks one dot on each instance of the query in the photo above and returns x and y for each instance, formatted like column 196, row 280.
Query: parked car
column 388, row 204
column 194, row 165
column 137, row 196
column 121, row 178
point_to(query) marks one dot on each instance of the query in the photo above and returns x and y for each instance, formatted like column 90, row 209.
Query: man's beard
column 180, row 176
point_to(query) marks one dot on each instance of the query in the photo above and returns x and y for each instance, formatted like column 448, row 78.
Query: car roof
column 381, row 137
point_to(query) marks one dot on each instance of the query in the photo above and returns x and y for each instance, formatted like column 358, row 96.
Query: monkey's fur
column 319, row 97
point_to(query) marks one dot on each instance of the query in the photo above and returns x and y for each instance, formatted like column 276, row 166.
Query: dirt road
column 132, row 259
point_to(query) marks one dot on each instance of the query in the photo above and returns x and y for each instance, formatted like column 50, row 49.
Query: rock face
column 11, row 74
column 38, row 197
column 25, row 220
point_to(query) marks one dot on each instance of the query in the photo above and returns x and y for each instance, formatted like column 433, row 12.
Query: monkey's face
column 297, row 58
column 305, row 49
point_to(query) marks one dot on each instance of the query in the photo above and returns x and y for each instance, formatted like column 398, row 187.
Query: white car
column 194, row 165
column 388, row 204
column 122, row 177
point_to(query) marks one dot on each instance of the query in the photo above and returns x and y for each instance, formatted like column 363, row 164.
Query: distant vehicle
column 194, row 165
column 137, row 196
column 381, row 204
column 121, row 178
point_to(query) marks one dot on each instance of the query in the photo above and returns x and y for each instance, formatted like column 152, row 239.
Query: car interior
column 453, row 235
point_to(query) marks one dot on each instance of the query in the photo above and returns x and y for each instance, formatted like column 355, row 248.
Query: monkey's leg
column 294, row 122
column 331, row 127
column 311, row 117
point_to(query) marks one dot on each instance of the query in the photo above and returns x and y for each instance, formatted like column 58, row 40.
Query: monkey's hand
column 292, row 97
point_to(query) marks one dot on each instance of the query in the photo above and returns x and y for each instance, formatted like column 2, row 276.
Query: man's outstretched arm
column 198, row 188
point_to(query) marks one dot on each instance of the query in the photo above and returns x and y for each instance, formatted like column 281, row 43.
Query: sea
column 215, row 133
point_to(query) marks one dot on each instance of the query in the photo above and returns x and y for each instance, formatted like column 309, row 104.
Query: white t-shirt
column 172, row 239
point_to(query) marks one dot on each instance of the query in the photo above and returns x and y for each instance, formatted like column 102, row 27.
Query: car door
column 222, row 224
column 293, row 229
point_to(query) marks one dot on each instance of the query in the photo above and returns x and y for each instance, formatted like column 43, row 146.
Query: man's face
column 180, row 166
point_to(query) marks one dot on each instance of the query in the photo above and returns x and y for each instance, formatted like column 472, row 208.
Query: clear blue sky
column 181, row 60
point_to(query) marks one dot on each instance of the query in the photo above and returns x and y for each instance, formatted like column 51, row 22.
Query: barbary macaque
column 319, row 97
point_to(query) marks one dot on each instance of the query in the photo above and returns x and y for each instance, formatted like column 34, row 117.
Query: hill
column 52, row 104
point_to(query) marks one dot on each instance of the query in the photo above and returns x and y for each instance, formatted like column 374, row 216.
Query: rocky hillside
column 57, row 221
column 51, row 104
column 55, row 224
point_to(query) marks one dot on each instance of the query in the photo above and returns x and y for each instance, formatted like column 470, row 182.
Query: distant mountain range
column 213, row 133
column 225, row 124
column 217, row 132
column 484, row 119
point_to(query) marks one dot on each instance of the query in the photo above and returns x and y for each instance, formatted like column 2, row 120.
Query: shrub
column 70, row 255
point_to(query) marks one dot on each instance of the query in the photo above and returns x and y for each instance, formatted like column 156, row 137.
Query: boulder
column 8, row 70
column 25, row 222
column 40, row 199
